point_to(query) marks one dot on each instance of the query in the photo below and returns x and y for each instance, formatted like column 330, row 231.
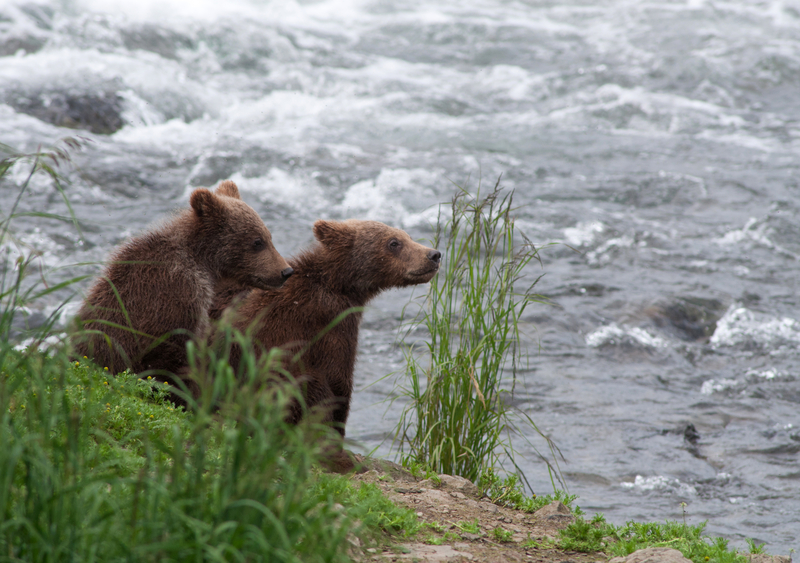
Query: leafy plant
column 472, row 527
column 584, row 536
column 754, row 549
column 369, row 506
column 508, row 492
column 502, row 535
column 598, row 535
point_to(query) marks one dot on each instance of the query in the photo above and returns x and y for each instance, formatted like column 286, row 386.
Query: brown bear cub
column 352, row 263
column 157, row 288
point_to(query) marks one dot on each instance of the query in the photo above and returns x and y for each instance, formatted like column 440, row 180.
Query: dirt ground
column 456, row 505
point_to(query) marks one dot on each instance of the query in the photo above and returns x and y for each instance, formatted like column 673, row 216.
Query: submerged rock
column 99, row 113
column 688, row 318
column 11, row 45
column 691, row 435
column 160, row 40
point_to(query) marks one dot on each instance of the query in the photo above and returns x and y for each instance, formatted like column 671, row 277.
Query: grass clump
column 508, row 492
column 584, row 536
column 500, row 534
column 369, row 507
column 471, row 527
column 457, row 421
column 599, row 535
column 687, row 539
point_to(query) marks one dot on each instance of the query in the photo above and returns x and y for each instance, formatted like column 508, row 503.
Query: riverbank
column 461, row 524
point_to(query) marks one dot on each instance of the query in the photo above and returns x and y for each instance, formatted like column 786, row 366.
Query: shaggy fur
column 165, row 281
column 353, row 262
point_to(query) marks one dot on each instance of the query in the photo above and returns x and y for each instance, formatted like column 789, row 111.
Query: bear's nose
column 286, row 273
column 435, row 256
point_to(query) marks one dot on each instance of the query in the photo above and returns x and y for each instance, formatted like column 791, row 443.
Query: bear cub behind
column 155, row 292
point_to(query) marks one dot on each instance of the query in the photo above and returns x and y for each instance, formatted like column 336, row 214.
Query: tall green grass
column 102, row 468
column 457, row 419
column 18, row 261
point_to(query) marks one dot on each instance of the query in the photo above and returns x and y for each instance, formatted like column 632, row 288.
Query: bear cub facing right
column 353, row 262
column 156, row 290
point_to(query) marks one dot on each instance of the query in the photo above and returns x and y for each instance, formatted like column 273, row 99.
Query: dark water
column 659, row 139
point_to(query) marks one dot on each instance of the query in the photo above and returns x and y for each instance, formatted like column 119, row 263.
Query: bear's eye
column 259, row 245
column 394, row 245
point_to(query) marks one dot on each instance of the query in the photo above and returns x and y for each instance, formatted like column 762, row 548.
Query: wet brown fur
column 166, row 278
column 352, row 263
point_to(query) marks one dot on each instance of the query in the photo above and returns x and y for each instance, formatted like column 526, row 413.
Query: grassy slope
column 99, row 468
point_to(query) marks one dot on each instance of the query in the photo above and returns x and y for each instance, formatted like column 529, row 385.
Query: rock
column 354, row 546
column 99, row 112
column 489, row 507
column 385, row 467
column 25, row 43
column 690, row 434
column 653, row 555
column 422, row 552
column 407, row 490
column 554, row 508
column 688, row 318
column 465, row 486
column 764, row 558
column 556, row 513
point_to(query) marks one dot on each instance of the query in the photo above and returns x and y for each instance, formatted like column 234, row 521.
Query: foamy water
column 659, row 140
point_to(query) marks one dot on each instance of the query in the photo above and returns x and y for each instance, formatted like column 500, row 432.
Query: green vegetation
column 598, row 535
column 472, row 527
column 456, row 420
column 17, row 260
column 508, row 492
column 99, row 469
column 369, row 506
column 502, row 535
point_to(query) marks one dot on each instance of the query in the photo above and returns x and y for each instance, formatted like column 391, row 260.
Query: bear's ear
column 228, row 188
column 333, row 233
column 205, row 203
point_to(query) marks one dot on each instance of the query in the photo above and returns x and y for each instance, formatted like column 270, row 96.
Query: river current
column 659, row 141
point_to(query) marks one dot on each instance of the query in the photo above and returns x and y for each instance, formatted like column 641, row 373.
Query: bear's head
column 234, row 240
column 372, row 256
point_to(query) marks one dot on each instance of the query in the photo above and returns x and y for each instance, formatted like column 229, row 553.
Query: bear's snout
column 286, row 273
column 434, row 256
